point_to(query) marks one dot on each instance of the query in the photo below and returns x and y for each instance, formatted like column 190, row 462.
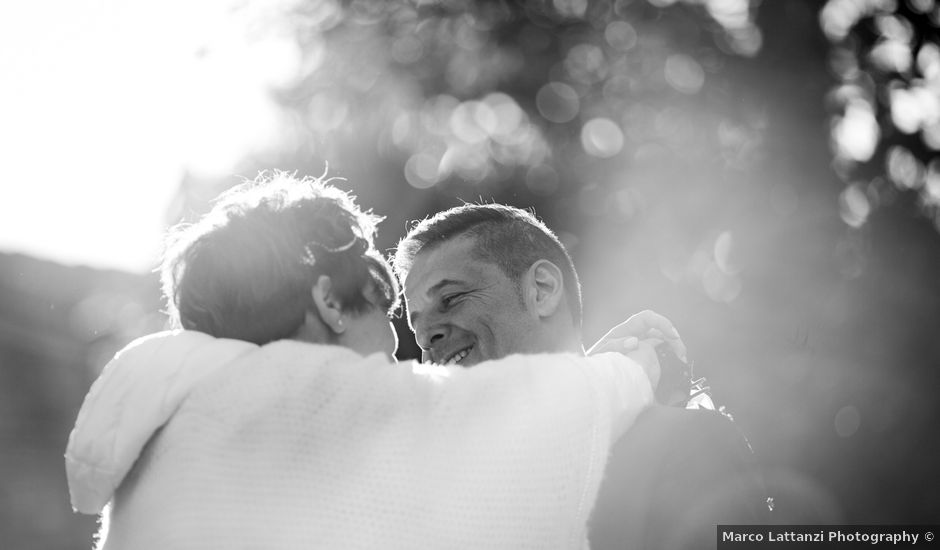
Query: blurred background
column 765, row 174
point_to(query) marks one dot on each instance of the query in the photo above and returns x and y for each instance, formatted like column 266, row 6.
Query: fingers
column 642, row 323
column 646, row 324
column 678, row 347
column 624, row 345
column 676, row 343
column 651, row 342
column 648, row 320
column 657, row 326
column 619, row 345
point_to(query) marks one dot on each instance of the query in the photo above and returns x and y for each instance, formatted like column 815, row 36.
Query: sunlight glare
column 96, row 138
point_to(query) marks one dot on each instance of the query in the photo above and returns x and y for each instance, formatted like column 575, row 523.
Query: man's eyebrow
column 433, row 290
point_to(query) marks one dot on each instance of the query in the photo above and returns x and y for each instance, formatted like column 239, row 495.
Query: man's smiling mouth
column 457, row 357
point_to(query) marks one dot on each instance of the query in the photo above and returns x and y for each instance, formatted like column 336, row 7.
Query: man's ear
column 546, row 287
column 329, row 308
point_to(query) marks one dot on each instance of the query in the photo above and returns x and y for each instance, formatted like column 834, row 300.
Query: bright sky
column 104, row 103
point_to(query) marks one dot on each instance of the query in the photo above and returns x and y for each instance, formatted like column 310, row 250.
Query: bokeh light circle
column 421, row 171
column 557, row 102
column 847, row 421
column 854, row 206
column 684, row 73
column 542, row 179
column 601, row 137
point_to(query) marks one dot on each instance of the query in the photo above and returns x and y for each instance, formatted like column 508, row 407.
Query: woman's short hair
column 246, row 269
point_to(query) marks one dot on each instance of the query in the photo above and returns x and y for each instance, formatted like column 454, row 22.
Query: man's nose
column 428, row 336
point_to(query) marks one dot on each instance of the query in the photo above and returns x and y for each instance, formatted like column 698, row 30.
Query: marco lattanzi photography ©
column 821, row 536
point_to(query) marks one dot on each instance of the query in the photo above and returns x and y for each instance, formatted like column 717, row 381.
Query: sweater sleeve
column 136, row 393
column 541, row 424
column 612, row 386
column 623, row 385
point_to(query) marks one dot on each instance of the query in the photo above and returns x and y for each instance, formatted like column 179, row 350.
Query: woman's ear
column 547, row 287
column 328, row 307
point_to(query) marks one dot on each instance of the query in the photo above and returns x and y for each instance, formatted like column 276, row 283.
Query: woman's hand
column 641, row 351
column 644, row 325
column 638, row 337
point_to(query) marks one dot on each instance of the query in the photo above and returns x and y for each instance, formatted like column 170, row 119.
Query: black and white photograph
column 455, row 274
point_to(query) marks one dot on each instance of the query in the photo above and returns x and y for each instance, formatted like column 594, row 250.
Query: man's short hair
column 511, row 238
column 247, row 268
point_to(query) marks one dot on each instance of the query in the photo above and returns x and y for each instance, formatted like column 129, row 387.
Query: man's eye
column 448, row 301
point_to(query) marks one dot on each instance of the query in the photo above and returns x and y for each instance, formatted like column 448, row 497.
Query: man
column 487, row 281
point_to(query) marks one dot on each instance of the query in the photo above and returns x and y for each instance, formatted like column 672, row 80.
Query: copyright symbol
column 928, row 536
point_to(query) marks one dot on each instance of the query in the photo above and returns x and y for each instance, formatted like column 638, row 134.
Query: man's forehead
column 435, row 262
column 450, row 262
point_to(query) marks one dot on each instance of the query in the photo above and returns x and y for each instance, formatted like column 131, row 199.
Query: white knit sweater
column 206, row 443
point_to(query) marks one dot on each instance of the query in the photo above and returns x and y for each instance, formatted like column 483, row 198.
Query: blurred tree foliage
column 886, row 123
column 522, row 96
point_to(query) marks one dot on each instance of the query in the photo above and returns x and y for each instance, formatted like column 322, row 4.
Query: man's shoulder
column 676, row 467
column 697, row 439
column 684, row 418
column 675, row 423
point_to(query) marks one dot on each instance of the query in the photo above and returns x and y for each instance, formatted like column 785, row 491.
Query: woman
column 278, row 419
